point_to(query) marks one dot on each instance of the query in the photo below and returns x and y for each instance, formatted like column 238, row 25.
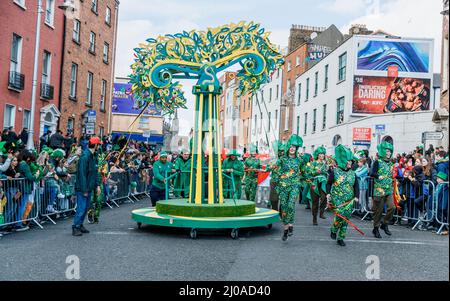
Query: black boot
column 76, row 232
column 376, row 232
column 285, row 235
column 333, row 235
column 386, row 229
column 341, row 242
column 83, row 229
column 315, row 221
column 290, row 231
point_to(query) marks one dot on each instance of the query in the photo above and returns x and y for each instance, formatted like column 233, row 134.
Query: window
column 278, row 87
column 20, row 3
column 298, row 125
column 286, row 120
column 26, row 119
column 340, row 111
column 325, row 84
column 9, row 116
column 261, row 123
column 50, row 12
column 324, row 118
column 46, row 67
column 270, row 116
column 249, row 103
column 108, row 16
column 299, row 95
column 101, row 131
column 244, row 105
column 289, row 66
column 105, row 52
column 103, row 96
column 316, row 83
column 73, row 81
column 92, row 42
column 270, row 94
column 76, row 31
column 342, row 66
column 307, row 89
column 16, row 53
column 256, row 122
column 305, row 130
column 94, row 6
column 297, row 61
column 288, row 86
column 276, row 119
column 70, row 125
column 90, row 79
column 278, row 73
column 314, row 121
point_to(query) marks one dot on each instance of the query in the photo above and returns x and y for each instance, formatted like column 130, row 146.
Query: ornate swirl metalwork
column 182, row 55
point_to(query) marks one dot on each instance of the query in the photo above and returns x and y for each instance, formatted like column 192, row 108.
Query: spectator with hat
column 161, row 168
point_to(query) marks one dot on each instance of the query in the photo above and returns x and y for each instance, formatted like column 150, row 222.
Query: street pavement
column 117, row 250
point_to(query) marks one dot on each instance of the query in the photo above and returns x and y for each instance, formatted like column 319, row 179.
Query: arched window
column 337, row 140
column 388, row 139
column 48, row 117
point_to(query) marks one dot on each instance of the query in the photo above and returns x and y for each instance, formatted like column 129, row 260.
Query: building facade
column 88, row 68
column 348, row 98
column 17, row 42
column 245, row 116
column 445, row 57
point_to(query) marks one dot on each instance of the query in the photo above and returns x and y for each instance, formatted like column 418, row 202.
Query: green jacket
column 317, row 173
column 290, row 171
column 182, row 181
column 252, row 163
column 87, row 179
column 237, row 167
column 25, row 171
column 159, row 173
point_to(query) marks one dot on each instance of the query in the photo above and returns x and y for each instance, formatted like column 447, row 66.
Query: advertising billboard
column 408, row 56
column 123, row 102
column 379, row 95
column 362, row 136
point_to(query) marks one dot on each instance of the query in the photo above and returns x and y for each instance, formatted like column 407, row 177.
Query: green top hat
column 294, row 140
column 233, row 152
column 442, row 175
column 318, row 151
column 360, row 155
column 342, row 155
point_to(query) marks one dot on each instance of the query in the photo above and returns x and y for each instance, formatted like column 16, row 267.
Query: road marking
column 401, row 242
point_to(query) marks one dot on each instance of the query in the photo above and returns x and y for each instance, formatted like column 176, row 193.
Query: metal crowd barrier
column 441, row 206
column 17, row 203
column 118, row 187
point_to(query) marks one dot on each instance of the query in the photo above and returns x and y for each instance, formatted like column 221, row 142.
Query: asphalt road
column 116, row 250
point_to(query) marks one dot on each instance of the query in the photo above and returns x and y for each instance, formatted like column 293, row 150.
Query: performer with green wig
column 234, row 168
column 381, row 171
column 289, row 167
column 316, row 173
column 182, row 166
column 344, row 190
column 252, row 166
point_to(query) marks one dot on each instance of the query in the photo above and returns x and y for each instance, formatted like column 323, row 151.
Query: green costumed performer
column 278, row 148
column 182, row 180
column 316, row 173
column 98, row 196
column 161, row 169
column 252, row 166
column 344, row 189
column 232, row 167
column 383, row 190
column 290, row 170
column 305, row 185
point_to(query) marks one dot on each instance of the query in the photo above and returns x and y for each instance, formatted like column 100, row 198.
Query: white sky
column 142, row 19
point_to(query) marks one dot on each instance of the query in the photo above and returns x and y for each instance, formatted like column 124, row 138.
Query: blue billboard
column 407, row 56
column 123, row 102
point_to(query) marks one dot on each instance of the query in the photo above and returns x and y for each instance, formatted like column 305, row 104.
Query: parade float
column 201, row 55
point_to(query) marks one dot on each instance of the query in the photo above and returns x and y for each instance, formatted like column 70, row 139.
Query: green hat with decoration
column 360, row 155
column 58, row 153
column 233, row 152
column 318, row 151
column 294, row 140
column 47, row 149
column 342, row 155
column 383, row 147
column 442, row 175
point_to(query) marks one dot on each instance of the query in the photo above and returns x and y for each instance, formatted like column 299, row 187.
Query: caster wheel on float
column 193, row 233
column 269, row 226
column 139, row 225
column 235, row 233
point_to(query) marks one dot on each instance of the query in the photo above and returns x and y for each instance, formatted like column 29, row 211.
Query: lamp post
column 65, row 6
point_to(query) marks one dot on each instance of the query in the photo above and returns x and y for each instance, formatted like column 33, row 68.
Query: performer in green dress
column 344, row 189
column 182, row 180
column 231, row 166
column 316, row 173
column 252, row 166
column 289, row 168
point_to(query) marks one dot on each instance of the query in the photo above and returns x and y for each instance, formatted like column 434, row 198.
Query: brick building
column 17, row 43
column 227, row 81
column 245, row 116
column 88, row 68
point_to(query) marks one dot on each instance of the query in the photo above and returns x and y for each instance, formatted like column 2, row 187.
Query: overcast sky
column 141, row 19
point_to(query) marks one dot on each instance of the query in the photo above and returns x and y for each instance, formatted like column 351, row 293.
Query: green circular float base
column 181, row 207
column 261, row 217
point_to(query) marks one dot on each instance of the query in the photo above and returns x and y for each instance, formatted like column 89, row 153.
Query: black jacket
column 87, row 178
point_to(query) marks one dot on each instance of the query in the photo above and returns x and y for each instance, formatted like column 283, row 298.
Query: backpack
column 72, row 164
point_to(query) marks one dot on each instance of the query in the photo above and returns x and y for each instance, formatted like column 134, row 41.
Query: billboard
column 362, row 136
column 123, row 102
column 408, row 56
column 378, row 95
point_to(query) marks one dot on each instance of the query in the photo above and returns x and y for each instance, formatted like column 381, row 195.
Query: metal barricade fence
column 56, row 196
column 118, row 187
column 18, row 204
column 140, row 179
column 441, row 206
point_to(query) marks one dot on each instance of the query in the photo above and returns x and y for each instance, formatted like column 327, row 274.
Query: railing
column 47, row 91
column 16, row 80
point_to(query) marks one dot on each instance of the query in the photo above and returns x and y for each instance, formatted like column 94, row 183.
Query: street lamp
column 65, row 6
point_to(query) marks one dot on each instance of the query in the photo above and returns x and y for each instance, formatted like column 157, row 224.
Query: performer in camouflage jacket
column 278, row 147
column 316, row 173
column 252, row 166
column 344, row 189
column 232, row 167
